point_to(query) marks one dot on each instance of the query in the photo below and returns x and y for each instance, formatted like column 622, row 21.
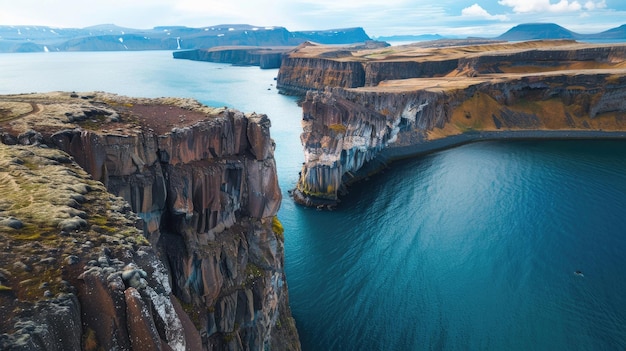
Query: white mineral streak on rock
column 173, row 326
column 358, row 142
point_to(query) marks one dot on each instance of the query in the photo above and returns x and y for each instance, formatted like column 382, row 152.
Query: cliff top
column 430, row 66
column 440, row 50
column 99, row 111
column 454, row 83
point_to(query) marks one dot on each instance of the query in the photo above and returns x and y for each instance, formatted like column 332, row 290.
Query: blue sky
column 377, row 17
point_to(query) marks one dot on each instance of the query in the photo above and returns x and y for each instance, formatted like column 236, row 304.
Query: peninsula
column 143, row 224
column 365, row 108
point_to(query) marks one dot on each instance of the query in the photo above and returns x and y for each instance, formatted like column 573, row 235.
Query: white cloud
column 590, row 5
column 377, row 17
column 529, row 6
column 479, row 12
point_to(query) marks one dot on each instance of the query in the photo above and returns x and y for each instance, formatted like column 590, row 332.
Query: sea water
column 472, row 248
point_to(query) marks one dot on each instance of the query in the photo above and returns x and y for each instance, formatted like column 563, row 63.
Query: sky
column 378, row 17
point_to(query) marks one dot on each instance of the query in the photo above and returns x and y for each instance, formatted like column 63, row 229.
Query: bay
column 472, row 248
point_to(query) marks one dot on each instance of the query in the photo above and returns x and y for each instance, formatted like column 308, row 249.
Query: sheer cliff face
column 349, row 133
column 266, row 58
column 306, row 68
column 305, row 74
column 204, row 183
column 76, row 272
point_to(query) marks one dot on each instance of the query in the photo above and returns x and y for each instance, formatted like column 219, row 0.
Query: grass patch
column 94, row 122
column 253, row 272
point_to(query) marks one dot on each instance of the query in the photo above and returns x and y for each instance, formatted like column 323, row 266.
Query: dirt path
column 8, row 114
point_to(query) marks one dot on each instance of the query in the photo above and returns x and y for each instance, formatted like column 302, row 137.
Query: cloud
column 479, row 12
column 530, row 6
column 590, row 5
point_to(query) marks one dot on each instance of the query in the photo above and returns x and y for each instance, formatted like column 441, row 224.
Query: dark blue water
column 472, row 248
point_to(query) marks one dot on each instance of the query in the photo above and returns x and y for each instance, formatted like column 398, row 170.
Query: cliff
column 207, row 272
column 264, row 57
column 415, row 99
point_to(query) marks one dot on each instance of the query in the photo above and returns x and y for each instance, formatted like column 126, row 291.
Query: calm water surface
column 472, row 248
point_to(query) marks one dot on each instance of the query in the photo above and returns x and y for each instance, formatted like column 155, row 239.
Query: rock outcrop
column 412, row 100
column 76, row 272
column 264, row 57
column 312, row 66
column 202, row 182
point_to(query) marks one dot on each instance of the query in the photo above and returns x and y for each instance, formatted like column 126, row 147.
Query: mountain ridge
column 534, row 31
column 109, row 37
column 524, row 31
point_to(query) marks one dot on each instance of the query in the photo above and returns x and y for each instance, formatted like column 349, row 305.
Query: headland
column 365, row 108
column 132, row 223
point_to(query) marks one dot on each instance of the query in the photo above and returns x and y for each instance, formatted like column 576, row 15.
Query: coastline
column 392, row 154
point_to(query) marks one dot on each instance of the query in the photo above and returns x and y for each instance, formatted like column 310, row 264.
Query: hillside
column 114, row 38
column 536, row 31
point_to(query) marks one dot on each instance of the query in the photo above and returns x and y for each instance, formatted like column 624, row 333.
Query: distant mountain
column 108, row 37
column 532, row 31
column 535, row 31
column 526, row 31
column 411, row 38
column 615, row 33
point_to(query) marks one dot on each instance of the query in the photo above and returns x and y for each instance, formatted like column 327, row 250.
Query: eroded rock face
column 203, row 181
column 503, row 93
column 317, row 67
column 72, row 259
column 264, row 57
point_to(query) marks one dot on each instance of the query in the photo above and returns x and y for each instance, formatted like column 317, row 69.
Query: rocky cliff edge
column 143, row 224
column 364, row 108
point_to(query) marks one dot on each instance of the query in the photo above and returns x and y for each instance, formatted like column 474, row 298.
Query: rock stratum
column 264, row 57
column 139, row 224
column 364, row 108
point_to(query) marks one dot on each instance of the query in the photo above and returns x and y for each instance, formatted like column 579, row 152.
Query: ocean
column 471, row 248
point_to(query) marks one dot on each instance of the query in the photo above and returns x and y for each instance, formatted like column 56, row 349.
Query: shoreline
column 394, row 154
column 401, row 152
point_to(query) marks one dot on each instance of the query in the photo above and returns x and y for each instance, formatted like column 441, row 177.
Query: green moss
column 253, row 271
column 94, row 123
column 99, row 220
column 338, row 128
column 31, row 232
column 228, row 337
column 5, row 288
column 278, row 228
column 103, row 223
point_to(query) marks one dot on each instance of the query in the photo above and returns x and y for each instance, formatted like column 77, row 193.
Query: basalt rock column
column 203, row 181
